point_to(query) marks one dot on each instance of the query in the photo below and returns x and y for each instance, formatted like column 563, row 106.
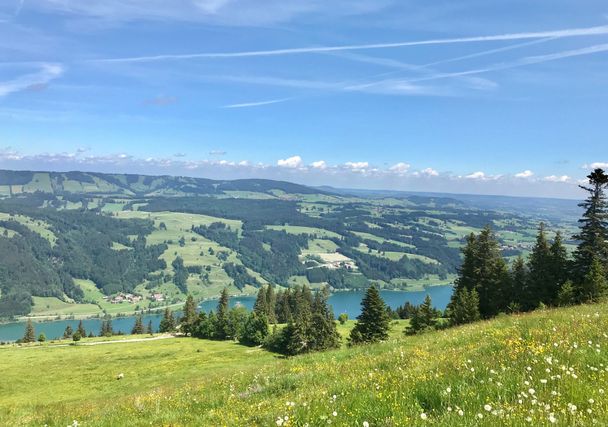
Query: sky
column 485, row 97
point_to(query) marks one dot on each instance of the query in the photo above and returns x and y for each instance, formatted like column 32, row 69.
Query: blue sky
column 501, row 97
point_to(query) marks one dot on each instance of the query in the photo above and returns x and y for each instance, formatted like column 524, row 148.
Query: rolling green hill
column 545, row 368
column 73, row 238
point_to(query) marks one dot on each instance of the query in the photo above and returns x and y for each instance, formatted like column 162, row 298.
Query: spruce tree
column 595, row 284
column 30, row 333
column 150, row 329
column 81, row 330
column 68, row 332
column 106, row 327
column 260, row 307
column 540, row 286
column 221, row 323
column 519, row 284
column 593, row 235
column 189, row 315
column 566, row 295
column 559, row 267
column 271, row 303
column 423, row 318
column 255, row 330
column 373, row 322
column 138, row 327
column 167, row 323
column 324, row 331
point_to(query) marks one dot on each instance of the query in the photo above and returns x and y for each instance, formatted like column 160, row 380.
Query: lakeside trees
column 373, row 322
column 548, row 278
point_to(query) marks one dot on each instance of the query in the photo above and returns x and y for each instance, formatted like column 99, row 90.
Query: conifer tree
column 595, row 284
column 540, row 286
column 373, row 322
column 271, row 303
column 81, row 330
column 150, row 329
column 167, row 323
column 138, row 327
column 519, row 284
column 221, row 323
column 323, row 331
column 566, row 295
column 559, row 267
column 30, row 333
column 41, row 337
column 106, row 327
column 68, row 332
column 423, row 318
column 593, row 235
column 189, row 315
column 260, row 307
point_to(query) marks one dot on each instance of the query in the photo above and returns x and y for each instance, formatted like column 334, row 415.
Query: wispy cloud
column 161, row 101
column 573, row 32
column 33, row 81
column 256, row 104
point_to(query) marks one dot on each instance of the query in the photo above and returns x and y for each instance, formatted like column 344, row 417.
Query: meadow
column 545, row 368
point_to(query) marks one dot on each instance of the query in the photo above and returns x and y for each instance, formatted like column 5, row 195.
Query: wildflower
column 529, row 419
column 448, row 390
column 531, row 391
column 487, row 407
column 460, row 412
column 365, row 424
column 335, row 414
column 543, row 381
column 480, row 416
column 552, row 419
column 423, row 416
column 591, row 401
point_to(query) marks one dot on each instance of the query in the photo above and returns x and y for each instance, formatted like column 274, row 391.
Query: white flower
column 591, row 401
column 335, row 414
column 460, row 412
column 480, row 416
column 552, row 419
column 531, row 391
column 423, row 416
column 279, row 422
column 365, row 424
column 543, row 381
column 448, row 390
column 487, row 407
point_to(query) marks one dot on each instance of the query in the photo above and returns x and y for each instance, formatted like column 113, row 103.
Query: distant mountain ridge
column 76, row 182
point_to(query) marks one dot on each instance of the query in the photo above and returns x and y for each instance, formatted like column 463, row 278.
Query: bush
column 342, row 318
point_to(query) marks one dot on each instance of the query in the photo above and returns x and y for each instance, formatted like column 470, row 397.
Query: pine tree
column 559, row 266
column 540, row 288
column 593, row 235
column 485, row 270
column 189, row 316
column 68, row 332
column 150, row 329
column 373, row 322
column 519, row 284
column 423, row 318
column 566, row 295
column 271, row 303
column 106, row 327
column 324, row 332
column 260, row 307
column 30, row 333
column 595, row 284
column 81, row 330
column 221, row 324
column 167, row 323
column 138, row 327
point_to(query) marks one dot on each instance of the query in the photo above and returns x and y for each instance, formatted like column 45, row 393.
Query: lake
column 342, row 302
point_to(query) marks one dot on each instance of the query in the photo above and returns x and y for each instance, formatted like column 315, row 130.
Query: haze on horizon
column 504, row 98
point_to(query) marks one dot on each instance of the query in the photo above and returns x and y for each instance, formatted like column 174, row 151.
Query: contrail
column 256, row 104
column 574, row 32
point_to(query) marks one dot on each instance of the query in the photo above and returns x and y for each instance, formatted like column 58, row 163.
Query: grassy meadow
column 540, row 369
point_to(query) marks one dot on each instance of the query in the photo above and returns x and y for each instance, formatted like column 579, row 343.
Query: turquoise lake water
column 342, row 302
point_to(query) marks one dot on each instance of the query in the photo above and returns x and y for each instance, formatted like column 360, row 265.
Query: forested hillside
column 71, row 239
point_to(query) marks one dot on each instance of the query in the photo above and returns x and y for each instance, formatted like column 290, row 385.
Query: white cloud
column 357, row 166
column 429, row 172
column 525, row 174
column 35, row 80
column 320, row 164
column 400, row 168
column 291, row 162
column 476, row 175
column 555, row 178
column 596, row 165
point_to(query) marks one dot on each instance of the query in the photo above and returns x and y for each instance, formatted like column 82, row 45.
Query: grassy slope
column 517, row 367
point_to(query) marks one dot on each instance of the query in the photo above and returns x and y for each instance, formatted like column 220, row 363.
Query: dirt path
column 160, row 337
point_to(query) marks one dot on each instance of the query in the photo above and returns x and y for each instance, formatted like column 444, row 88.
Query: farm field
column 544, row 368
